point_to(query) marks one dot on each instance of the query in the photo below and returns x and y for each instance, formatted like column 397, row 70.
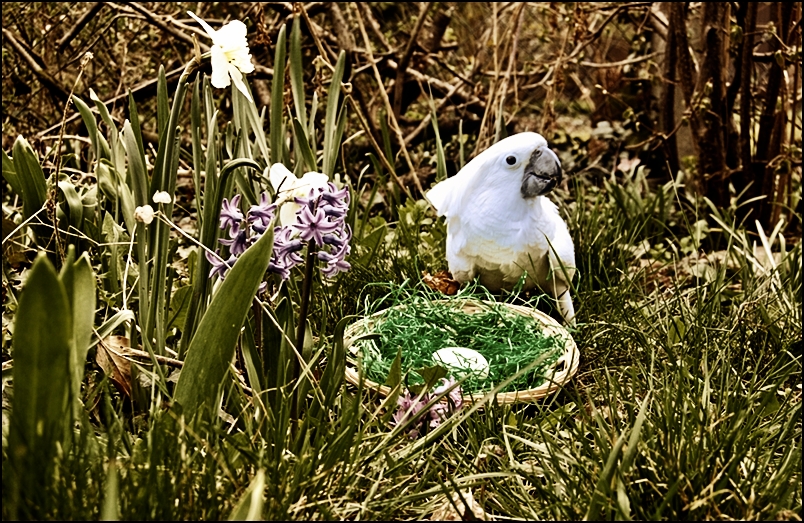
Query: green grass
column 687, row 405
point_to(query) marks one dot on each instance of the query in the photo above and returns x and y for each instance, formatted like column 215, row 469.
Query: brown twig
column 375, row 26
column 423, row 124
column 79, row 25
column 392, row 118
column 406, row 56
column 50, row 83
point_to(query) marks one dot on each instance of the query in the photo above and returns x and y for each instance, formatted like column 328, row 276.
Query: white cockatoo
column 500, row 224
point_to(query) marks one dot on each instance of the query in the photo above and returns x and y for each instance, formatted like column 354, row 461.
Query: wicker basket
column 564, row 368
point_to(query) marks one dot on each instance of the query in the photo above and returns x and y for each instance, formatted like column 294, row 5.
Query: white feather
column 497, row 234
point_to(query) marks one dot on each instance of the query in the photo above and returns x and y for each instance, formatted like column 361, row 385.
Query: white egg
column 462, row 361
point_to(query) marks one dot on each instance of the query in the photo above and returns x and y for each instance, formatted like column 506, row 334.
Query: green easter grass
column 509, row 341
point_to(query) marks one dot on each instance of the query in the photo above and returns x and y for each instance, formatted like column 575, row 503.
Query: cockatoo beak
column 542, row 173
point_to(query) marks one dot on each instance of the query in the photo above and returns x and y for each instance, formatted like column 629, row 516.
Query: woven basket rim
column 564, row 368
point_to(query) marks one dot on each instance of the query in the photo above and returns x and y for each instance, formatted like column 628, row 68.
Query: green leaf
column 106, row 181
column 179, row 304
column 301, row 140
column 162, row 103
column 431, row 375
column 10, row 174
column 110, row 510
column 111, row 324
column 134, row 118
column 334, row 372
column 441, row 162
column 277, row 98
column 331, row 144
column 42, row 338
column 74, row 205
column 99, row 144
column 103, row 111
column 603, row 487
column 30, row 177
column 395, row 373
column 198, row 162
column 251, row 358
column 249, row 508
column 79, row 283
column 296, row 68
column 136, row 168
column 213, row 345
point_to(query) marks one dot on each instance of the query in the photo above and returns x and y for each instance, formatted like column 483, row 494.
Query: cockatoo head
column 526, row 159
column 518, row 166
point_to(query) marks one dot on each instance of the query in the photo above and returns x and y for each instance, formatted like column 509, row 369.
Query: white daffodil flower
column 230, row 54
column 288, row 187
column 144, row 214
column 162, row 197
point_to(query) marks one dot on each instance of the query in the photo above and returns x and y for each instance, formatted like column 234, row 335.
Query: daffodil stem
column 301, row 327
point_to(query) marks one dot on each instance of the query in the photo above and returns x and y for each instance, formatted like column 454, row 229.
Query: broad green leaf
column 103, row 111
column 333, row 376
column 134, row 119
column 79, row 283
column 106, row 181
column 74, row 204
column 432, row 375
column 30, row 177
column 42, row 338
column 213, row 345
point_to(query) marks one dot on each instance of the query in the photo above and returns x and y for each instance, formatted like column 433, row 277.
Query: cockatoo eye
column 511, row 160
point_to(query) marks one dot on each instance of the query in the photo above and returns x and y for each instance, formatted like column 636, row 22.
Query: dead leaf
column 110, row 357
column 447, row 511
column 442, row 282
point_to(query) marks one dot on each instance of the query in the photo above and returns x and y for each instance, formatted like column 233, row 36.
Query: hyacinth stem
column 301, row 327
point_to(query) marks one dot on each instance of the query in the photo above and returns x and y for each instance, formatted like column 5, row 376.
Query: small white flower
column 230, row 54
column 288, row 187
column 144, row 214
column 162, row 197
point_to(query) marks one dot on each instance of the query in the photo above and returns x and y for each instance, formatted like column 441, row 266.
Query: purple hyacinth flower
column 219, row 267
column 238, row 244
column 231, row 215
column 262, row 214
column 409, row 407
column 336, row 261
column 276, row 267
column 335, row 197
column 442, row 409
column 332, row 269
column 337, row 213
column 314, row 226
